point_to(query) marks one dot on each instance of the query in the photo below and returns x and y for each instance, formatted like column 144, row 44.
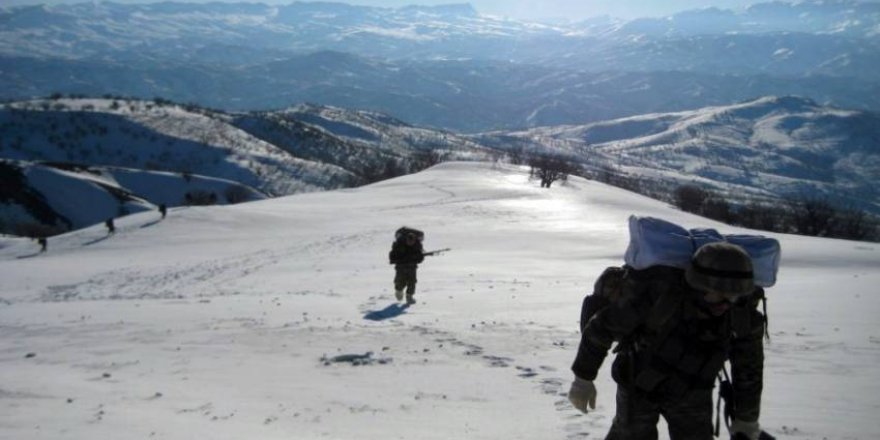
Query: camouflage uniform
column 669, row 353
column 406, row 259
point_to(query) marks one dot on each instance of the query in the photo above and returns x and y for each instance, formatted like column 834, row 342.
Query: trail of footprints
column 576, row 427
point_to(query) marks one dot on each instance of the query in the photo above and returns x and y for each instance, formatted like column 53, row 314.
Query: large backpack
column 606, row 290
column 403, row 231
column 658, row 248
column 657, row 242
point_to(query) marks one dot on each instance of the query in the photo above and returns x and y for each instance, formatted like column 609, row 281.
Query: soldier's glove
column 745, row 430
column 582, row 394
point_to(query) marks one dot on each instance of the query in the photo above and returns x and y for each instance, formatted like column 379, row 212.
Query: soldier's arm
column 747, row 367
column 394, row 255
column 610, row 324
column 419, row 254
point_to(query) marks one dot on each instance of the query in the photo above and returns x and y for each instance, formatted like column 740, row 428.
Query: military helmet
column 721, row 267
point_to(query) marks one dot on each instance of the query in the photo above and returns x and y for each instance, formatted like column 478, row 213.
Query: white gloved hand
column 582, row 394
column 752, row 430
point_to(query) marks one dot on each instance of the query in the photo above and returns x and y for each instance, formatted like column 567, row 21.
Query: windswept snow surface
column 255, row 320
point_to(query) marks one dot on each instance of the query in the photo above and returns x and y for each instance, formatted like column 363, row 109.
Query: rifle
column 437, row 252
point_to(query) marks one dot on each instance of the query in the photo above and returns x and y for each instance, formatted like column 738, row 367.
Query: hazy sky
column 536, row 9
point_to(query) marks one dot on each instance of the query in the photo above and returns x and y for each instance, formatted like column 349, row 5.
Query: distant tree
column 690, row 198
column 200, row 198
column 516, row 156
column 717, row 208
column 814, row 217
column 424, row 159
column 392, row 169
column 761, row 216
column 375, row 171
column 549, row 169
column 236, row 194
column 36, row 230
column 853, row 224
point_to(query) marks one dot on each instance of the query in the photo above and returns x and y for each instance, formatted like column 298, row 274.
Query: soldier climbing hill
column 675, row 329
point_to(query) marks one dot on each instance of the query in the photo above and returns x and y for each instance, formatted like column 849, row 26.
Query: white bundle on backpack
column 656, row 242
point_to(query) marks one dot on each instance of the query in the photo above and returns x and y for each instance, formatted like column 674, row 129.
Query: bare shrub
column 236, row 194
column 690, row 198
column 37, row 230
column 200, row 198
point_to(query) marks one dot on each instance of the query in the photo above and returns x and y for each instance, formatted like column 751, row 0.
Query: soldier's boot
column 398, row 293
column 409, row 299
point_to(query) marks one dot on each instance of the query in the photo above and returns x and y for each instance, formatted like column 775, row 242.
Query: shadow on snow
column 152, row 223
column 97, row 240
column 392, row 311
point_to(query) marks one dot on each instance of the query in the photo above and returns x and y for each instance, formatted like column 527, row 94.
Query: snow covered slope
column 355, row 140
column 61, row 197
column 247, row 321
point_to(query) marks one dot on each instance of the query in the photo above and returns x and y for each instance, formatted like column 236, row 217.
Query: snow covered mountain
column 777, row 147
column 156, row 135
column 376, row 135
column 839, row 17
column 169, row 151
column 446, row 66
column 276, row 319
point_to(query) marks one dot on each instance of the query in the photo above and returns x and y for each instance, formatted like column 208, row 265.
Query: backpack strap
column 725, row 393
column 766, row 317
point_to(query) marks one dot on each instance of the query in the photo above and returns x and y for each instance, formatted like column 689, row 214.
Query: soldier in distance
column 406, row 254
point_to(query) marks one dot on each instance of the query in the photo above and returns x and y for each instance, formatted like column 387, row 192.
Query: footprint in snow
column 498, row 361
column 552, row 386
column 526, row 372
column 355, row 360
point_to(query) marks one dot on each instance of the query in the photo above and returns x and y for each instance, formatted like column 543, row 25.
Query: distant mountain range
column 446, row 67
column 771, row 148
column 143, row 153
